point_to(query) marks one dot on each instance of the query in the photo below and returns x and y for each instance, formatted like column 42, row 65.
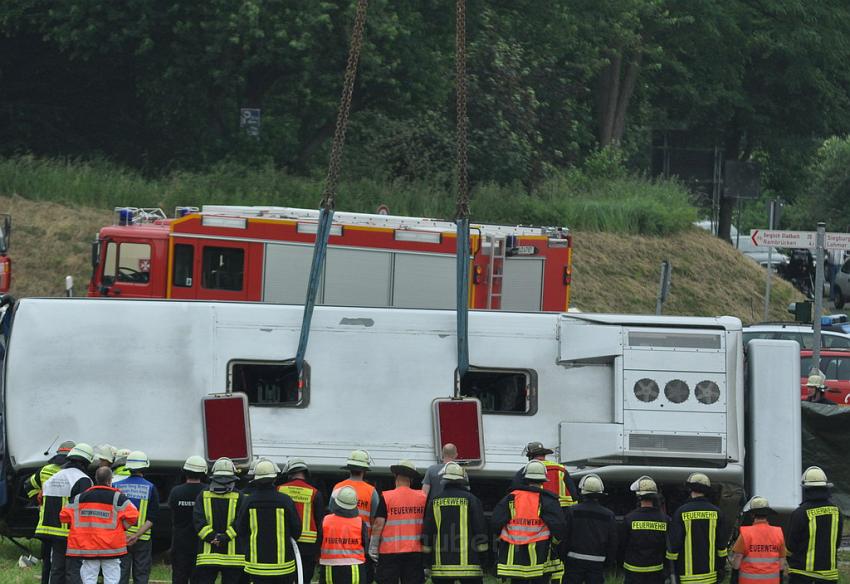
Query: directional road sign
column 798, row 239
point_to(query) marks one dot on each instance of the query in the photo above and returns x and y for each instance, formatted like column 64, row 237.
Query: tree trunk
column 625, row 97
column 607, row 98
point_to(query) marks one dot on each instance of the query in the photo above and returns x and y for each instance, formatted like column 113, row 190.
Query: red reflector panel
column 226, row 428
column 459, row 421
column 5, row 274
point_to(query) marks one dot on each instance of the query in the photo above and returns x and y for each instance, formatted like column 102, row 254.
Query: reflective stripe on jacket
column 342, row 541
column 403, row 528
column 764, row 547
column 216, row 513
column 695, row 542
column 556, row 483
column 525, row 525
column 303, row 495
column 813, row 538
column 98, row 519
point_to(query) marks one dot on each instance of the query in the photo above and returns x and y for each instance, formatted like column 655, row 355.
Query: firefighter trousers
column 354, row 574
column 45, row 560
column 287, row 579
column 583, row 572
column 308, row 564
column 459, row 580
column 801, row 579
column 137, row 562
column 208, row 574
column 406, row 568
column 644, row 577
column 61, row 567
column 183, row 556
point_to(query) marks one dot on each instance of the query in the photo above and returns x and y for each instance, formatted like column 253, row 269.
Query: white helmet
column 137, row 460
column 591, row 484
column 223, row 468
column 358, row 460
column 265, row 469
column 104, row 452
column 645, row 485
column 698, row 481
column 534, row 471
column 346, row 498
column 195, row 463
column 815, row 477
column 82, row 451
column 759, row 506
column 295, row 465
column 452, row 471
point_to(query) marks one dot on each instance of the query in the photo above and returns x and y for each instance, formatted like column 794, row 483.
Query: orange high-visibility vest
column 525, row 525
column 556, row 484
column 403, row 529
column 342, row 541
column 303, row 495
column 364, row 499
column 764, row 547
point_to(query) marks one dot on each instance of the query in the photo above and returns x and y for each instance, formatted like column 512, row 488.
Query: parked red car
column 835, row 365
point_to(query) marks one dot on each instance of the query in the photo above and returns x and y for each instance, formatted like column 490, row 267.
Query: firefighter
column 529, row 521
column 454, row 533
column 181, row 502
column 695, row 541
column 432, row 483
column 98, row 519
column 817, row 385
column 644, row 536
column 345, row 539
column 144, row 496
column 590, row 541
column 266, row 522
column 397, row 535
column 214, row 518
column 759, row 552
column 34, row 485
column 310, row 505
column 367, row 496
column 64, row 485
column 119, row 465
column 558, row 479
column 814, row 532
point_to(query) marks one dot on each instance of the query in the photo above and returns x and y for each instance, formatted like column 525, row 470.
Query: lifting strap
column 462, row 212
column 331, row 182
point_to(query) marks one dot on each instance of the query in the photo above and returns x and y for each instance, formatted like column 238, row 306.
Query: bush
column 600, row 198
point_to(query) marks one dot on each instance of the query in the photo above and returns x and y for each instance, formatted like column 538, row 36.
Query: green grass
column 582, row 200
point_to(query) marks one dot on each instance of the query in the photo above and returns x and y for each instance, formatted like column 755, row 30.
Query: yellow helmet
column 358, row 460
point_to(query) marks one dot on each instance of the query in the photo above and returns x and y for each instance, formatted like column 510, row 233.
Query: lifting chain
column 332, row 180
column 462, row 126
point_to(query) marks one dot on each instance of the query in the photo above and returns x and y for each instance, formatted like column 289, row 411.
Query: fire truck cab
column 263, row 254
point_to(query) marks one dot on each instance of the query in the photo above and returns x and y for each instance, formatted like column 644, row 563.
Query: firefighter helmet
column 265, row 469
column 137, row 460
column 195, row 463
column 758, row 506
column 452, row 471
column 82, row 451
column 816, row 380
column 591, row 484
column 358, row 460
column 534, row 472
column 533, row 449
column 294, row 465
column 105, row 452
column 346, row 498
column 65, row 447
column 645, row 485
column 815, row 477
column 698, row 482
column 405, row 468
column 223, row 468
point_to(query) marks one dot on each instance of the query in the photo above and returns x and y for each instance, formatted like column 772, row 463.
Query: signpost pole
column 821, row 238
column 771, row 225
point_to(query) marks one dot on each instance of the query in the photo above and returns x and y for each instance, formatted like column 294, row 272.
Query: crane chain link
column 462, row 126
column 332, row 180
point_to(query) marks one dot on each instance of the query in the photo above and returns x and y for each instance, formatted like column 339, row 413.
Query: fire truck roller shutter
column 357, row 277
column 424, row 281
column 522, row 284
column 286, row 271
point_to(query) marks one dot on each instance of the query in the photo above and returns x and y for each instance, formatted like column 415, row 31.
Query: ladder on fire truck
column 497, row 249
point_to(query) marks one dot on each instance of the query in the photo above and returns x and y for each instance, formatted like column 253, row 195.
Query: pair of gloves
column 217, row 539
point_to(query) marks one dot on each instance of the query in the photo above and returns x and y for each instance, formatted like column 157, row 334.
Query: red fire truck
column 263, row 254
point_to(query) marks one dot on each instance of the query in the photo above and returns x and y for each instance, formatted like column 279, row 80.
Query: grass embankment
column 623, row 228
